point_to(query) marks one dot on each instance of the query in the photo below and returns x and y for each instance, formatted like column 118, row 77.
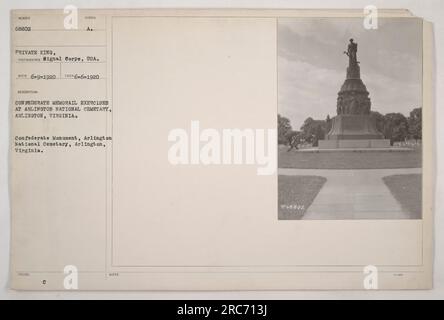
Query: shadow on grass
column 296, row 194
column 407, row 190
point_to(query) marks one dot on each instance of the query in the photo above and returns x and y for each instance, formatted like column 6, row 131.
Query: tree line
column 394, row 126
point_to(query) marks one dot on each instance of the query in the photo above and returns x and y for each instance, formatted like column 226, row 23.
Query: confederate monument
column 353, row 127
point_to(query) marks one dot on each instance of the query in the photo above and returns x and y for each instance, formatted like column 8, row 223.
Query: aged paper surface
column 94, row 192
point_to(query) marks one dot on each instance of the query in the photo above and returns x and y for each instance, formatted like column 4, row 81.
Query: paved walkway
column 353, row 194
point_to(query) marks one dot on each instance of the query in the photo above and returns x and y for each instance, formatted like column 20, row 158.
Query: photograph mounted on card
column 159, row 149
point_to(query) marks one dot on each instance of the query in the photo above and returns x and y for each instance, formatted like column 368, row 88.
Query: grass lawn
column 349, row 160
column 296, row 194
column 407, row 190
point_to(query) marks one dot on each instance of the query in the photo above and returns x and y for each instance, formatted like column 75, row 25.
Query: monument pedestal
column 353, row 131
column 353, row 126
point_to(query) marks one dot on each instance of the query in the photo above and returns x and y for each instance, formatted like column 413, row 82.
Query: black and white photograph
column 349, row 119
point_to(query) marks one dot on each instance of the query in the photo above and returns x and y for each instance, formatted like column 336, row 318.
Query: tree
column 293, row 133
column 415, row 123
column 319, row 134
column 295, row 138
column 379, row 120
column 313, row 130
column 396, row 127
column 284, row 128
column 328, row 123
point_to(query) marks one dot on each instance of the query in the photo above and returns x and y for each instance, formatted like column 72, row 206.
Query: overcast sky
column 312, row 66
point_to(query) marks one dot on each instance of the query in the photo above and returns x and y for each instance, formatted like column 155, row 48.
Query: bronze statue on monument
column 352, row 52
